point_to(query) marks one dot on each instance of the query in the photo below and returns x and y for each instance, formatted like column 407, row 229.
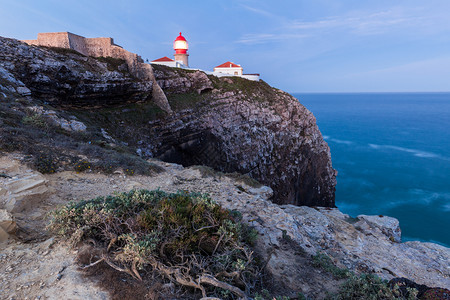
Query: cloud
column 361, row 23
column 404, row 21
column 258, row 11
column 261, row 38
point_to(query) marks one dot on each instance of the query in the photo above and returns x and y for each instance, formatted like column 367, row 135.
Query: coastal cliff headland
column 75, row 127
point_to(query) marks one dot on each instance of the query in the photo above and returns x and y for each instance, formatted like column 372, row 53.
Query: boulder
column 25, row 191
column 24, row 91
column 387, row 225
column 7, row 225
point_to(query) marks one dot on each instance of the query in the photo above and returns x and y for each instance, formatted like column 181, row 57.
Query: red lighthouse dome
column 180, row 45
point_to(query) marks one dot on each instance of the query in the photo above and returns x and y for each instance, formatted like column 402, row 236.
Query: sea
column 392, row 154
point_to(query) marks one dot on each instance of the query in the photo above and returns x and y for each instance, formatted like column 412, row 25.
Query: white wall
column 231, row 71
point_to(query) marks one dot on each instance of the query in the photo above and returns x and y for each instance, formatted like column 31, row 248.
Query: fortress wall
column 99, row 46
column 54, row 39
column 77, row 43
column 31, row 42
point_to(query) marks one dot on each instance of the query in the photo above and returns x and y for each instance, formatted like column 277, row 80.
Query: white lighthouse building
column 181, row 60
column 180, row 45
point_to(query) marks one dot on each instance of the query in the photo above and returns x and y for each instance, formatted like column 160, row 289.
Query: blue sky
column 296, row 45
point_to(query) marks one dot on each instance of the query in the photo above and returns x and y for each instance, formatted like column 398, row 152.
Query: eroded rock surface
column 69, row 79
column 20, row 191
column 7, row 225
column 246, row 127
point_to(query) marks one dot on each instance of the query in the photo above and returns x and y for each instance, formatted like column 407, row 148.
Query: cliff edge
column 230, row 124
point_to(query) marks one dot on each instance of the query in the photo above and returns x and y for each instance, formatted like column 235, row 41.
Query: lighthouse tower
column 180, row 46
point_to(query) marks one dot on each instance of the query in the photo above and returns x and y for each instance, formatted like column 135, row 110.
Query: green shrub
column 35, row 120
column 185, row 237
column 45, row 163
column 324, row 261
column 370, row 287
column 112, row 63
column 82, row 165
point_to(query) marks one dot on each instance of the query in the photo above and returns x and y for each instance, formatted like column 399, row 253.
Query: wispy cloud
column 396, row 20
column 360, row 23
column 258, row 11
column 262, row 38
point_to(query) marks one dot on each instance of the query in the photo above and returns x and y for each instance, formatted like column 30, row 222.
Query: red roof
column 180, row 38
column 228, row 64
column 165, row 58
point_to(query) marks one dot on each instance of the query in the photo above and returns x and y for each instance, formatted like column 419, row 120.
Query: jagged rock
column 7, row 225
column 360, row 246
column 68, row 79
column 246, row 127
column 24, row 192
column 55, row 119
column 24, row 91
column 389, row 226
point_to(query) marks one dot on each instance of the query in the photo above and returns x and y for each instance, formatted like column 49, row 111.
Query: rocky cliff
column 66, row 78
column 230, row 124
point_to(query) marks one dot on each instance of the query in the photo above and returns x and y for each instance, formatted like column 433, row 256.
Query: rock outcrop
column 66, row 78
column 246, row 127
column 7, row 225
column 20, row 191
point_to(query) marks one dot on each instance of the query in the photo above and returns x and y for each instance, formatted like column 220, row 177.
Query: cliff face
column 66, row 78
column 230, row 124
column 249, row 127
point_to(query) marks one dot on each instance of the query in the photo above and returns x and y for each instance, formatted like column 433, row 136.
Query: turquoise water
column 392, row 152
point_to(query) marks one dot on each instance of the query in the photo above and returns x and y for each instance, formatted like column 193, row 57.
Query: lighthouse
column 180, row 46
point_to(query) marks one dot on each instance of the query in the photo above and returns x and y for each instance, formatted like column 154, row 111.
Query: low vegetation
column 364, row 286
column 189, row 240
column 183, row 237
column 49, row 148
column 113, row 64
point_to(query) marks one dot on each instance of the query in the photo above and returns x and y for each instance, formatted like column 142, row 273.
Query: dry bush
column 184, row 237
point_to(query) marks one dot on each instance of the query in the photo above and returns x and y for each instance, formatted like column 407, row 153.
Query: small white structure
column 229, row 68
column 167, row 62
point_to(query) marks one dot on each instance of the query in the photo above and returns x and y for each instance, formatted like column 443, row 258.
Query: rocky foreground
column 288, row 235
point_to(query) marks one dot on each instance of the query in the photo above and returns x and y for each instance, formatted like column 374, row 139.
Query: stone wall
column 51, row 39
column 99, row 46
column 77, row 42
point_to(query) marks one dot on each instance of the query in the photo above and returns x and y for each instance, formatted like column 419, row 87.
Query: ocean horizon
column 392, row 153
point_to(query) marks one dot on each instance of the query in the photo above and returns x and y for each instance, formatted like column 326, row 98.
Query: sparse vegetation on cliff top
column 184, row 237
